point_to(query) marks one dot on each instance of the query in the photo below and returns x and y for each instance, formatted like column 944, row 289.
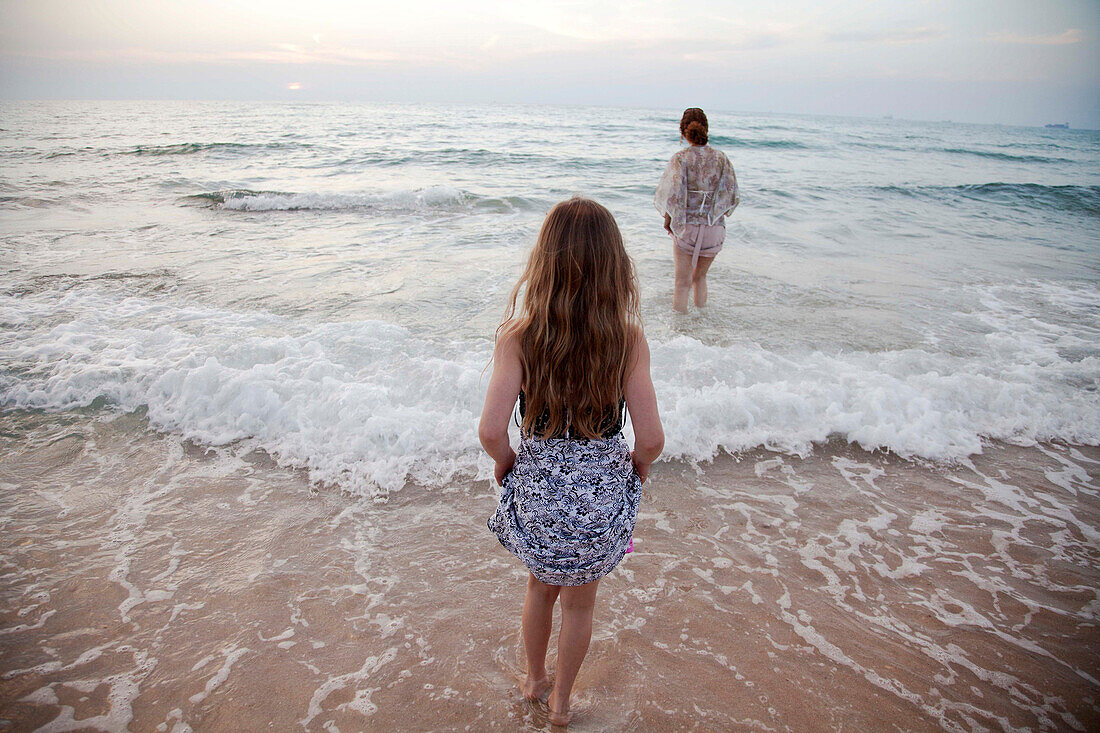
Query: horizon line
column 498, row 103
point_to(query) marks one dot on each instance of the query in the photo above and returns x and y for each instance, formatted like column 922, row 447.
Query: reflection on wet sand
column 165, row 587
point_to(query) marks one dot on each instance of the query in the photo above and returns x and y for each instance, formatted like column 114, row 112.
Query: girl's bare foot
column 559, row 712
column 560, row 718
column 536, row 689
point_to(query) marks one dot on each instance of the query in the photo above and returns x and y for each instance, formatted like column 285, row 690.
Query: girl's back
column 577, row 322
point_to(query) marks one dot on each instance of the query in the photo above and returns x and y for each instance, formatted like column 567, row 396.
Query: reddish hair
column 693, row 126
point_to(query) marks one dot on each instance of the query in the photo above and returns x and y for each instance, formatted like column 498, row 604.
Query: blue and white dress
column 568, row 506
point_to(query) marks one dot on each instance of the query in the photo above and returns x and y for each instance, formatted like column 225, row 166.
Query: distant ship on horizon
column 1059, row 126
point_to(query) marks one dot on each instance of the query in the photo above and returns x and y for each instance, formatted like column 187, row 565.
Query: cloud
column 900, row 35
column 1066, row 38
column 279, row 53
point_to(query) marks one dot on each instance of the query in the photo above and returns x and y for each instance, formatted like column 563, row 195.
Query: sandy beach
column 151, row 584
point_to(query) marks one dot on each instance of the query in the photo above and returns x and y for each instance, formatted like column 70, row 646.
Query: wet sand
column 155, row 585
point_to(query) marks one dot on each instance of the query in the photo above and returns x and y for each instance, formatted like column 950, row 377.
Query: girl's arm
column 500, row 400
column 641, row 400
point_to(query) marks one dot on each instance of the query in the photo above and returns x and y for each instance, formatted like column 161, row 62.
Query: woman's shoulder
column 713, row 156
column 720, row 154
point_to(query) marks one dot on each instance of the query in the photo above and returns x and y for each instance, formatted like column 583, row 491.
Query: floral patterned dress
column 568, row 507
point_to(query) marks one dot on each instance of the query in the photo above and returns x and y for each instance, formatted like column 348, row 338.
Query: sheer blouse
column 697, row 187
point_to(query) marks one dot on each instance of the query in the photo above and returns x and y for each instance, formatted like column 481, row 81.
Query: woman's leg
column 577, row 603
column 681, row 285
column 538, row 616
column 699, row 280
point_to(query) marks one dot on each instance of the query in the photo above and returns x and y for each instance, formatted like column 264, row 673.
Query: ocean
column 221, row 320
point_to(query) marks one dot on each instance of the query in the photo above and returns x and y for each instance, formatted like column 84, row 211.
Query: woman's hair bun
column 696, row 133
column 693, row 126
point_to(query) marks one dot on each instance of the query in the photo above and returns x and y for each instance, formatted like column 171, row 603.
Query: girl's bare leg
column 577, row 603
column 699, row 280
column 681, row 285
column 538, row 616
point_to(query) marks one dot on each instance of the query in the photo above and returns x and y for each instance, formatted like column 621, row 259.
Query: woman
column 696, row 192
column 574, row 357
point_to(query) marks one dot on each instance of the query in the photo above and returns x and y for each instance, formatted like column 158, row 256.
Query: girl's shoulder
column 635, row 341
column 508, row 336
column 509, row 328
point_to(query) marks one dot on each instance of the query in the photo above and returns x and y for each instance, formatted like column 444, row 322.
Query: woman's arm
column 671, row 196
column 500, row 400
column 641, row 400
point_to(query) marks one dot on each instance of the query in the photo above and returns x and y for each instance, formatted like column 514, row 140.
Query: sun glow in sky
column 1015, row 61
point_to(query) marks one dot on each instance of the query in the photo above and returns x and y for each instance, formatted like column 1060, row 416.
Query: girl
column 696, row 192
column 574, row 357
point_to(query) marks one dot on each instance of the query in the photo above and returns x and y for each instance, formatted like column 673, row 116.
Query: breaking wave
column 368, row 406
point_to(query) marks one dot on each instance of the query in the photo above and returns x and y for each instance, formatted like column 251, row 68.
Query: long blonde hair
column 575, row 328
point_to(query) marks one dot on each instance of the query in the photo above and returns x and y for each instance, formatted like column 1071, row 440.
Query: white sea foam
column 368, row 406
column 434, row 197
column 913, row 402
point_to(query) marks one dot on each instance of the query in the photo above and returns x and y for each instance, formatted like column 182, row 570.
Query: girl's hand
column 502, row 468
column 642, row 469
column 668, row 224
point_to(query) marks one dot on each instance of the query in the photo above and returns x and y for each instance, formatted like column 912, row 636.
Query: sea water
column 322, row 281
column 243, row 349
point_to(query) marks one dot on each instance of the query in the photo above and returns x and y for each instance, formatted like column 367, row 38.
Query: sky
column 1025, row 62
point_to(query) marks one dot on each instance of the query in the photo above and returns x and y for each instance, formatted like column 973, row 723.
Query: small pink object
column 630, row 547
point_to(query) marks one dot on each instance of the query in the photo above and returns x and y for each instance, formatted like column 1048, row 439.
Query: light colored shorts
column 701, row 240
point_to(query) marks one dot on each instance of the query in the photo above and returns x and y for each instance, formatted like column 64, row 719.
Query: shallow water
column 243, row 351
column 159, row 585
